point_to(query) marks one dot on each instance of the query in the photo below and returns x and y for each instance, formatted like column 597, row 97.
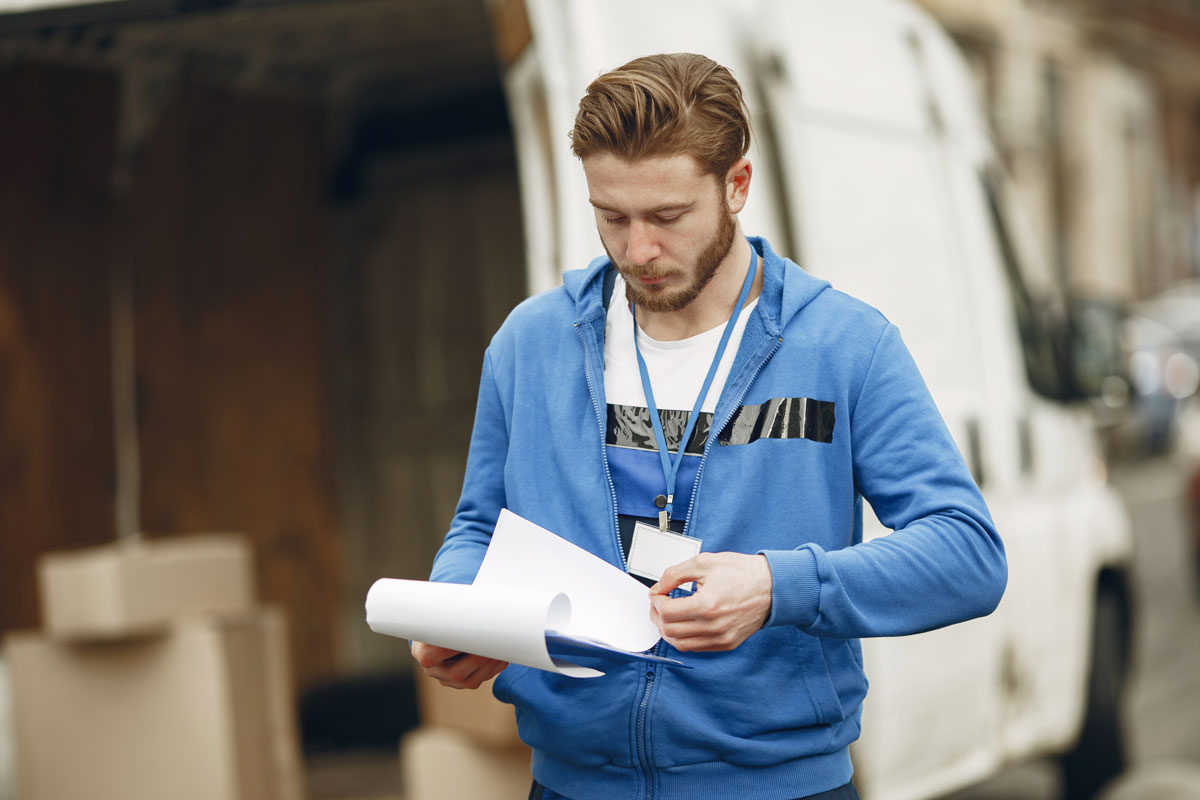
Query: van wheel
column 1099, row 753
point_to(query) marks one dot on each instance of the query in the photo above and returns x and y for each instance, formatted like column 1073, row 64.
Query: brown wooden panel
column 56, row 452
column 434, row 262
column 224, row 231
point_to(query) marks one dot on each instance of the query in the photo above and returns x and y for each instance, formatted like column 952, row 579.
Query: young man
column 793, row 403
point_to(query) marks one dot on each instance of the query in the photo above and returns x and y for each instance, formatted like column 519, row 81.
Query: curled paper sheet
column 507, row 625
column 531, row 582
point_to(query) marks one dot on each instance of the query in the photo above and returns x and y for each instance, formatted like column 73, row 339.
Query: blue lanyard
column 671, row 469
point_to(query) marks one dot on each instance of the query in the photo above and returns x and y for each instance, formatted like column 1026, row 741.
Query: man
column 793, row 403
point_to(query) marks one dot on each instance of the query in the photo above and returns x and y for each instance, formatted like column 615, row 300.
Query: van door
column 1045, row 485
column 1033, row 449
column 861, row 149
column 1049, row 499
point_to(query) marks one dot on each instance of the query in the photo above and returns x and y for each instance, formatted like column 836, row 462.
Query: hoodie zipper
column 643, row 759
column 643, row 713
column 644, row 705
column 652, row 670
column 643, row 709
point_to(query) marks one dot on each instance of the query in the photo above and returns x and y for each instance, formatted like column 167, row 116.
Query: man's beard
column 660, row 299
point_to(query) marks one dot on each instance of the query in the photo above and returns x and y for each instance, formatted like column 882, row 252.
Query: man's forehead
column 647, row 185
column 680, row 164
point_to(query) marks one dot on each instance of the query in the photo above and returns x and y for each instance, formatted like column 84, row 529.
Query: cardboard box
column 476, row 713
column 134, row 587
column 444, row 764
column 7, row 736
column 203, row 712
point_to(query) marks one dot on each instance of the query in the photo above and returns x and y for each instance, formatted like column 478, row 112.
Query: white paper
column 509, row 626
column 530, row 581
column 606, row 604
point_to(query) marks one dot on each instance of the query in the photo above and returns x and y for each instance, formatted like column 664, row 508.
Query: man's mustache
column 651, row 274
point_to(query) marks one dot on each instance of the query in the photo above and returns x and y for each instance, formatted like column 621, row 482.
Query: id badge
column 654, row 551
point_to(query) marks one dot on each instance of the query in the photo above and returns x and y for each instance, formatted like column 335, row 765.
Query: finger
column 485, row 674
column 688, row 629
column 428, row 655
column 709, row 640
column 658, row 603
column 676, row 576
column 701, row 644
column 484, row 671
column 681, row 609
column 460, row 669
column 673, row 577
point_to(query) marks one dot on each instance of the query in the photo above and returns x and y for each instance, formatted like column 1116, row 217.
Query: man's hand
column 732, row 601
column 455, row 669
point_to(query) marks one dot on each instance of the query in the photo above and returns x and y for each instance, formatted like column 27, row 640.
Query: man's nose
column 643, row 246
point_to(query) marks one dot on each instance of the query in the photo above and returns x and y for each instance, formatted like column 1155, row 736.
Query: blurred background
column 251, row 252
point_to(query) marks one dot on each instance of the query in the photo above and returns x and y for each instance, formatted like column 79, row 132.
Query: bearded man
column 692, row 392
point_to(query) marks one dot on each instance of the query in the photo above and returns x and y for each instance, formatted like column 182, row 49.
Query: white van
column 874, row 170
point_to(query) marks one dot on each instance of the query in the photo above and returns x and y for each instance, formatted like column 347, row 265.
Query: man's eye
column 613, row 220
column 668, row 220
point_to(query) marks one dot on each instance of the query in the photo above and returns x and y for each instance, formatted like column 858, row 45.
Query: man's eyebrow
column 655, row 210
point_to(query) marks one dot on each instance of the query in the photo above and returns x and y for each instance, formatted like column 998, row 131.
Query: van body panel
column 870, row 153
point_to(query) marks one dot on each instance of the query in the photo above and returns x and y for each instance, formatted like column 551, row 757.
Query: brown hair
column 677, row 104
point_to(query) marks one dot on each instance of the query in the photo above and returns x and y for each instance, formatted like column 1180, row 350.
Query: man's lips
column 648, row 280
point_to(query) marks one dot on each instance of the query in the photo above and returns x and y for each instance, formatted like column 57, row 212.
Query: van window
column 1034, row 316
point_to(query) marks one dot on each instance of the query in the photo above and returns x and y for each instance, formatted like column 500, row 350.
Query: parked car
column 1187, row 453
column 1163, row 337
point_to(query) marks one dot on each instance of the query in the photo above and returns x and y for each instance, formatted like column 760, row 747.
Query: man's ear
column 737, row 184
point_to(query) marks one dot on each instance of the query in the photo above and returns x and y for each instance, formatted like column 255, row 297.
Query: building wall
column 224, row 227
column 431, row 261
column 222, row 223
column 1096, row 117
column 57, row 475
column 1115, row 247
column 305, row 361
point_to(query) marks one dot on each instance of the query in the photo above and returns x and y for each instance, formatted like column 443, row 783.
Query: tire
column 1099, row 753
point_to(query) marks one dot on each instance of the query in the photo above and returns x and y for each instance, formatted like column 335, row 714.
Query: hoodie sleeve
column 483, row 496
column 943, row 563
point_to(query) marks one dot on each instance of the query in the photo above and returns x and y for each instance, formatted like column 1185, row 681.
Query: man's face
column 664, row 223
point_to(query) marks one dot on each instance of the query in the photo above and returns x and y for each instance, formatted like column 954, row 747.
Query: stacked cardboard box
column 466, row 748
column 7, row 790
column 156, row 676
column 140, row 586
column 477, row 714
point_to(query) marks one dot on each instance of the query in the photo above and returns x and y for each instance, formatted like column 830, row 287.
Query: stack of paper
column 538, row 600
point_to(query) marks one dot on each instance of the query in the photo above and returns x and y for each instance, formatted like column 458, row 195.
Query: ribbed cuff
column 795, row 589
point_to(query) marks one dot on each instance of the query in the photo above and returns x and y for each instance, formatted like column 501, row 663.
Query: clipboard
column 585, row 652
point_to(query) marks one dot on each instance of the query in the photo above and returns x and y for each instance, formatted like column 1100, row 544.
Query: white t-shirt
column 676, row 369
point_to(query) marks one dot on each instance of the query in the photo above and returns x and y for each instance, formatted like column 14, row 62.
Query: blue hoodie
column 773, row 718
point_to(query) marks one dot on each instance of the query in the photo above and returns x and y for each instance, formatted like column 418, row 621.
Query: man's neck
column 714, row 304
